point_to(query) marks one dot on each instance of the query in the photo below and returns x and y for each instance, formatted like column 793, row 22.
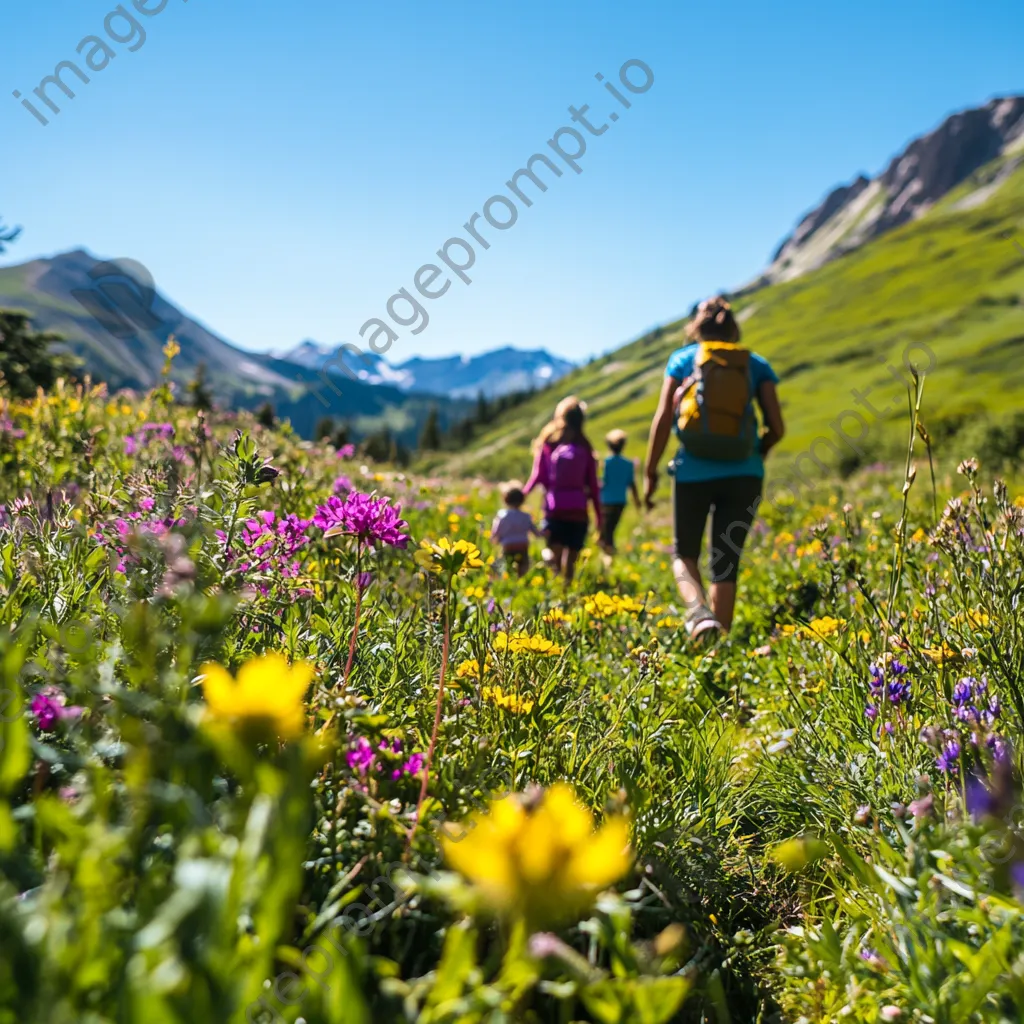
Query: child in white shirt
column 512, row 528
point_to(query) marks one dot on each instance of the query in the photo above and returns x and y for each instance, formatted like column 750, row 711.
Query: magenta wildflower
column 361, row 759
column 371, row 520
column 346, row 451
column 50, row 706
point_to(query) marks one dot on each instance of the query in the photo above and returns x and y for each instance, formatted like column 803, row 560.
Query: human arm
column 635, row 491
column 496, row 529
column 775, row 429
column 661, row 429
column 540, row 469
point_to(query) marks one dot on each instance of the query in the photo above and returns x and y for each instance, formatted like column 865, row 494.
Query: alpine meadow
column 308, row 717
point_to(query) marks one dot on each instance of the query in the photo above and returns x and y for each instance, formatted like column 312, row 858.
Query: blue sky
column 283, row 169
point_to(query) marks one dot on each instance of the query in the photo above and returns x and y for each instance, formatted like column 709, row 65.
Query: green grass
column 951, row 281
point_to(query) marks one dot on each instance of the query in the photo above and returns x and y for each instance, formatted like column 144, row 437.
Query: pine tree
column 483, row 410
column 265, row 416
column 430, row 436
column 200, row 395
column 7, row 235
column 324, row 428
column 26, row 362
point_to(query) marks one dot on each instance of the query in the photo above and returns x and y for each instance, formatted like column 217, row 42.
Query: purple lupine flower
column 131, row 446
column 949, row 757
column 963, row 692
column 342, row 485
column 371, row 520
column 363, row 581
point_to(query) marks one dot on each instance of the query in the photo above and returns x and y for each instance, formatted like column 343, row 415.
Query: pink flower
column 49, row 706
column 371, row 520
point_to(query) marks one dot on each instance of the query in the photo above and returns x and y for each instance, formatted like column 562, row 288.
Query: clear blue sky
column 283, row 169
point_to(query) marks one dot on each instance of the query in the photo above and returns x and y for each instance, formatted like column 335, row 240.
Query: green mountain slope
column 951, row 280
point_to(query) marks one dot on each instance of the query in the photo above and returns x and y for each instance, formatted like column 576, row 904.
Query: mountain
column 926, row 171
column 498, row 372
column 950, row 277
column 113, row 318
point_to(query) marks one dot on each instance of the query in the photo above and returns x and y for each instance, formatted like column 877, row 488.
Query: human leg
column 692, row 503
column 736, row 504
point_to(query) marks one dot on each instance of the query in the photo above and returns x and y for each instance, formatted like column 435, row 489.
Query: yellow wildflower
column 604, row 606
column 537, row 581
column 940, row 655
column 784, row 538
column 539, row 859
column 447, row 556
column 470, row 669
column 507, row 701
column 556, row 617
column 477, row 592
column 523, row 643
column 267, row 696
column 669, row 622
column 816, row 628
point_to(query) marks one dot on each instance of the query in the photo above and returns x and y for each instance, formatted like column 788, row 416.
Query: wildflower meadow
column 281, row 740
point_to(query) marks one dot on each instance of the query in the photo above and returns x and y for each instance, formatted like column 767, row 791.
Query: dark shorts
column 732, row 503
column 610, row 516
column 566, row 533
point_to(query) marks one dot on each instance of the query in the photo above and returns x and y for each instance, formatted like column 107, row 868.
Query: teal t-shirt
column 690, row 470
column 618, row 475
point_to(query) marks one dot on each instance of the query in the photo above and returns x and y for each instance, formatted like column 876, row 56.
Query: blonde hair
column 566, row 426
column 714, row 321
column 616, row 440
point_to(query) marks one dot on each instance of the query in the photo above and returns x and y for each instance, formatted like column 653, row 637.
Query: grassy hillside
column 952, row 281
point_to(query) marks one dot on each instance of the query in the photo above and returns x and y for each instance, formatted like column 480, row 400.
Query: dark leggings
column 732, row 503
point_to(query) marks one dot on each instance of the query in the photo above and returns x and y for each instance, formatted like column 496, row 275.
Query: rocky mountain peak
column 927, row 170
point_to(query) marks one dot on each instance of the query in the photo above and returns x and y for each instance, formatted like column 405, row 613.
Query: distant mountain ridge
column 990, row 136
column 495, row 373
column 117, row 324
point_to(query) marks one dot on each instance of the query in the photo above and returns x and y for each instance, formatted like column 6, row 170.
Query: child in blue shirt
column 619, row 476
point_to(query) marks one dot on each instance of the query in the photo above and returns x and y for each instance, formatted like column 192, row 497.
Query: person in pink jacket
column 564, row 465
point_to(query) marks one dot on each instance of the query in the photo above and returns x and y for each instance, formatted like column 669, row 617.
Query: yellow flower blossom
column 816, row 628
column 556, row 617
column 940, row 655
column 540, row 859
column 507, row 701
column 784, row 538
column 447, row 556
column 537, row 581
column 605, row 606
column 266, row 697
column 669, row 622
column 470, row 669
column 523, row 643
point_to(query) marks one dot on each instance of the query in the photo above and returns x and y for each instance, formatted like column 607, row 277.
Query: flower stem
column 355, row 625
column 445, row 648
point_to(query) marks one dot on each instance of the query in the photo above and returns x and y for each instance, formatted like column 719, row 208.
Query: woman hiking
column 707, row 398
column 565, row 466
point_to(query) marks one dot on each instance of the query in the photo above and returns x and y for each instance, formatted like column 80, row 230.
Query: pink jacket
column 567, row 502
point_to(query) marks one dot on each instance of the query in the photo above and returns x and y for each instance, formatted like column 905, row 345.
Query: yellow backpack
column 716, row 416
